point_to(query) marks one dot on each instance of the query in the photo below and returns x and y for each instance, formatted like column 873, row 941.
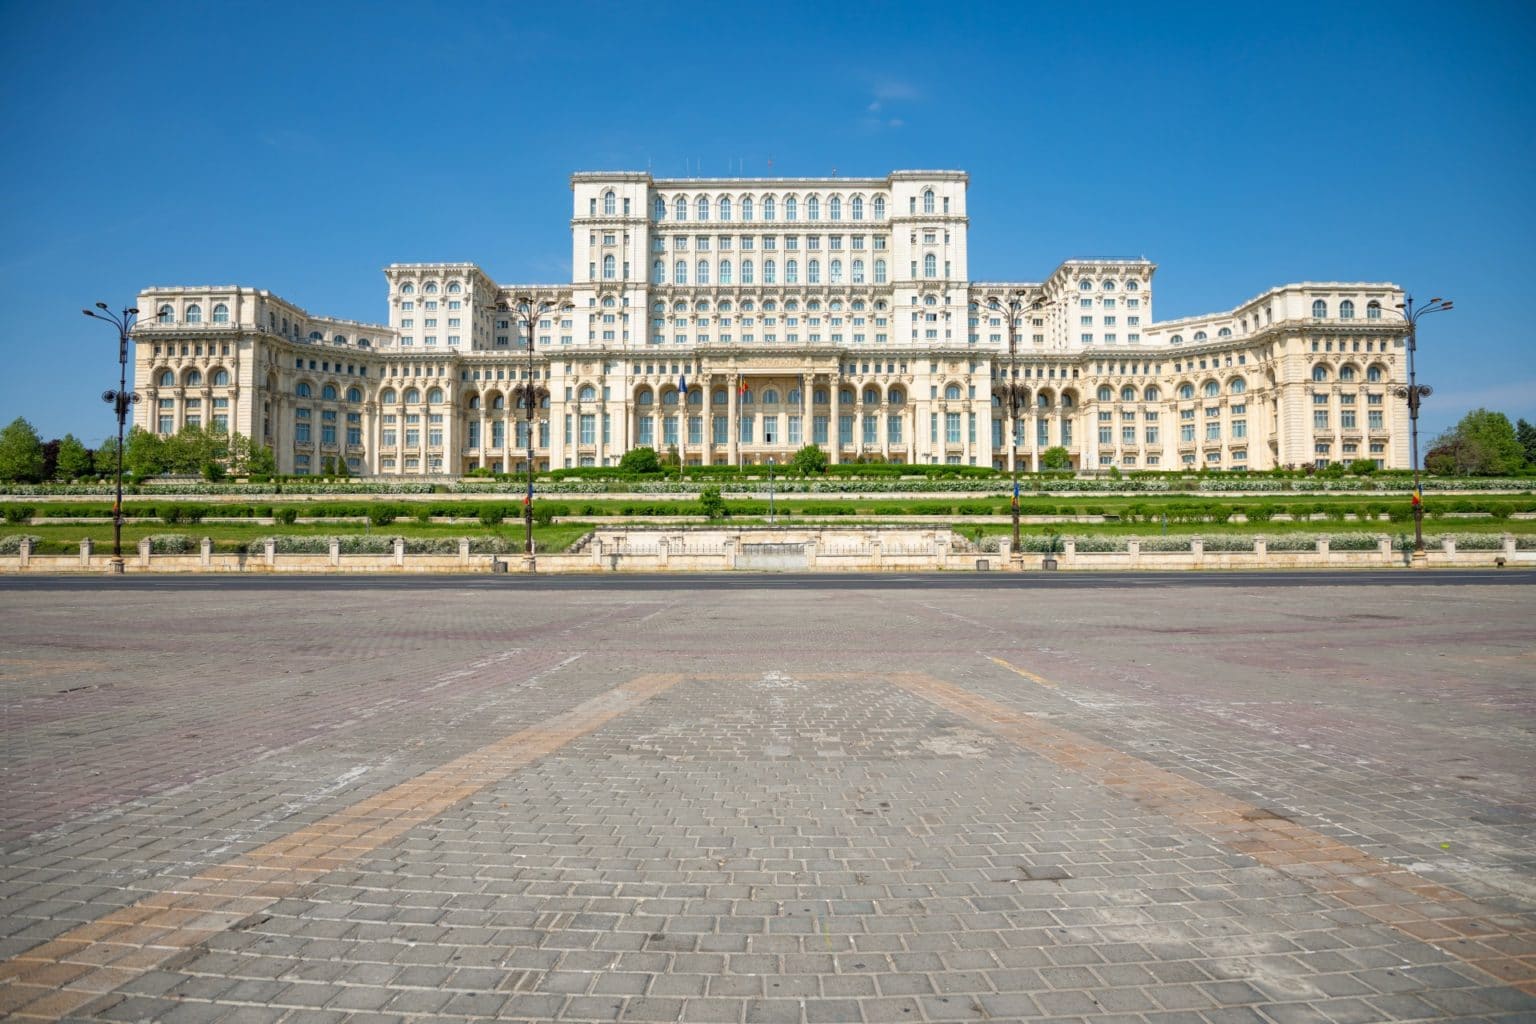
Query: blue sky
column 302, row 147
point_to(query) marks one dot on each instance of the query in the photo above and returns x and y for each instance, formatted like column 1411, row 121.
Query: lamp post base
column 115, row 567
column 530, row 563
column 1420, row 559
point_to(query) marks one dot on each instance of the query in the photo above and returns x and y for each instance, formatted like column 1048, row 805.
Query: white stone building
column 834, row 311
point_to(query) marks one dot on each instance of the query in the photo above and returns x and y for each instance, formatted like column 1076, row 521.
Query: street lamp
column 770, row 490
column 122, row 400
column 527, row 310
column 1015, row 393
column 1414, row 393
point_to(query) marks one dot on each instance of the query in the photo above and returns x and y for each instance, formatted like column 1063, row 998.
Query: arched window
column 1346, row 310
column 354, row 395
column 1199, row 335
column 680, row 272
column 1132, row 286
column 701, row 208
column 1177, row 339
column 696, row 396
column 1105, row 394
column 588, row 393
column 791, row 208
column 1319, row 373
column 856, row 207
column 725, row 272
column 1373, row 374
column 1152, row 393
column 835, row 272
column 791, row 272
column 1085, row 285
column 339, row 340
column 328, row 392
column 879, row 271
column 1373, row 310
column 166, row 315
column 703, row 272
column 608, row 267
column 1067, row 401
column 928, row 200
column 834, row 208
column 1347, row 373
column 680, row 209
column 221, row 314
column 813, row 208
column 1225, row 332
column 1319, row 309
column 858, row 271
column 1127, row 394
column 430, row 288
column 194, row 314
column 951, row 391
column 454, row 288
column 871, row 396
column 435, row 396
column 1212, row 389
column 645, row 397
column 387, row 396
column 302, row 390
column 194, row 378
column 879, row 207
column 819, row 396
column 746, row 207
column 930, row 265
column 718, row 398
column 725, row 207
column 746, row 272
column 770, row 272
column 1109, row 286
column 167, row 379
column 659, row 209
column 813, row 271
column 845, row 395
column 1043, row 400
column 658, row 272
column 747, row 398
column 474, row 401
column 610, row 207
column 1238, row 386
column 407, row 289
column 770, row 396
column 669, row 397
column 1186, row 391
column 897, row 396
column 316, row 336
column 768, row 208
column 412, row 396
column 220, row 378
column 498, row 403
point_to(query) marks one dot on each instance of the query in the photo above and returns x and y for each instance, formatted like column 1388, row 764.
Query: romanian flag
column 682, row 384
column 743, row 388
column 1418, row 497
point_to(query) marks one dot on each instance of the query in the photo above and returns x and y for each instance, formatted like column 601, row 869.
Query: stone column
column 733, row 428
column 24, row 552
column 335, row 551
column 86, row 549
column 269, row 552
column 143, row 552
column 834, row 421
column 400, row 552
column 1384, row 548
column 463, row 550
column 207, row 552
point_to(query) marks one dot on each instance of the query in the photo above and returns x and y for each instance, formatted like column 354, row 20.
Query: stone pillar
column 207, row 552
column 1069, row 550
column 1448, row 545
column 1005, row 552
column 1322, row 550
column 1509, row 549
column 597, row 551
column 1261, row 549
column 729, row 549
column 269, row 551
column 1384, row 548
column 876, row 554
column 463, row 550
column 1197, row 550
column 400, row 552
column 24, row 552
column 144, row 552
column 811, row 550
column 663, row 552
column 1133, row 548
column 86, row 550
column 732, row 429
column 335, row 551
column 834, row 422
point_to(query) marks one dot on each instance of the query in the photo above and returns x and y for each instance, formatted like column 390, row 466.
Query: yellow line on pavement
column 1026, row 673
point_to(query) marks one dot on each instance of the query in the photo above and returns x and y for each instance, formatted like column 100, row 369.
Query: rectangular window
column 1374, row 419
column 1128, row 435
column 745, row 428
column 845, row 429
column 952, row 428
column 1106, row 435
column 1151, row 435
column 1239, row 429
column 1187, row 432
column 819, row 430
column 1320, row 419
column 588, row 428
column 695, row 430
column 1347, row 419
column 722, row 433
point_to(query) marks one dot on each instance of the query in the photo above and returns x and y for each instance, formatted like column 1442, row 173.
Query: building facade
column 735, row 320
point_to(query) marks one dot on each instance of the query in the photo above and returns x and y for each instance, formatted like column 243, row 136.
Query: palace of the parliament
column 734, row 320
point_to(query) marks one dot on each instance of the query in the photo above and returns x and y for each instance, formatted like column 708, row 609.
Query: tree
column 1056, row 458
column 712, row 504
column 73, row 461
column 261, row 463
column 21, row 453
column 808, row 460
column 1526, row 432
column 640, row 460
column 1484, row 443
column 144, row 453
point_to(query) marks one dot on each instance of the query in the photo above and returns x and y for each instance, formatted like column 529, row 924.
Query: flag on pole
column 743, row 388
column 1418, row 497
column 682, row 384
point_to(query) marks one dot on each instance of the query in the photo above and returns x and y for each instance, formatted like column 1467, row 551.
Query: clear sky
column 301, row 147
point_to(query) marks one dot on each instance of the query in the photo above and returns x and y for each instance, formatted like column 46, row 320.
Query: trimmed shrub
column 18, row 513
column 286, row 516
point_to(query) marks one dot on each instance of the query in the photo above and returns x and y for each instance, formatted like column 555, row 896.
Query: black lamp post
column 1014, row 393
column 122, row 399
column 770, row 490
column 1414, row 393
column 527, row 310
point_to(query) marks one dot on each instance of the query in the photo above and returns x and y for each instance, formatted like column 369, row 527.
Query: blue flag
column 682, row 384
column 1015, row 489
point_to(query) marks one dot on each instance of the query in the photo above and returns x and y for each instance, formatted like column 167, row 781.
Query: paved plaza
column 1247, row 799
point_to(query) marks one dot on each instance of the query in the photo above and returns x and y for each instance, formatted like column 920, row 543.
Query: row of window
column 1348, row 373
column 328, row 392
column 1086, row 285
column 727, row 271
column 430, row 288
column 193, row 378
column 747, row 208
column 166, row 314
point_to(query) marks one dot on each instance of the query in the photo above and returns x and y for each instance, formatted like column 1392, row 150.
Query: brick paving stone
column 1204, row 819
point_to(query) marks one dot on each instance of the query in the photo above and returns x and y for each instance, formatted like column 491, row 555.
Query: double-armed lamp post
column 527, row 311
column 1414, row 393
column 122, row 400
column 1015, row 394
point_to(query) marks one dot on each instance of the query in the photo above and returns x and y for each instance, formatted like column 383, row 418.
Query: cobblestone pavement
column 1138, row 804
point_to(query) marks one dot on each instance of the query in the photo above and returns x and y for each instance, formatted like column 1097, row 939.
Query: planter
column 1048, row 562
